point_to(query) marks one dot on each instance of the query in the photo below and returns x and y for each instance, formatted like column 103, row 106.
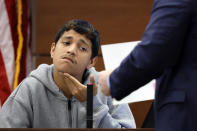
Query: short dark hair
column 82, row 27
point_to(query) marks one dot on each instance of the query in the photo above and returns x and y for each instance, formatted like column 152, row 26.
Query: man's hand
column 103, row 76
column 77, row 89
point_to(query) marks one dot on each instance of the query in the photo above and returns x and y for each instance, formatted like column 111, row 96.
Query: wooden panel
column 140, row 110
column 43, row 60
column 116, row 20
column 100, row 64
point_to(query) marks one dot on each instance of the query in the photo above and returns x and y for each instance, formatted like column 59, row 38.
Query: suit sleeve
column 159, row 49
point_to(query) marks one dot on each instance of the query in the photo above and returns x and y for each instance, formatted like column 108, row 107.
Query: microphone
column 89, row 113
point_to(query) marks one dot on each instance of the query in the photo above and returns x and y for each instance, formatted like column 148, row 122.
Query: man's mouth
column 69, row 59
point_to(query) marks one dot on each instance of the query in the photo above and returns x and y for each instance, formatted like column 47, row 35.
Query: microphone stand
column 89, row 116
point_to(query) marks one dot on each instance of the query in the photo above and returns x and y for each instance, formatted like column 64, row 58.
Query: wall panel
column 116, row 20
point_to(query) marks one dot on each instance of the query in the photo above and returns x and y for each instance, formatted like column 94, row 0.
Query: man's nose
column 72, row 49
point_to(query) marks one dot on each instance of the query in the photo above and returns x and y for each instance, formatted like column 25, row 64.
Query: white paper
column 113, row 54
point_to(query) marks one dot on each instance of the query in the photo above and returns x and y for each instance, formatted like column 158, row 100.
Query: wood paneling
column 140, row 110
column 43, row 60
column 116, row 20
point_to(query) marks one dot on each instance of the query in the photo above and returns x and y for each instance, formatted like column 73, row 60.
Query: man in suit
column 167, row 53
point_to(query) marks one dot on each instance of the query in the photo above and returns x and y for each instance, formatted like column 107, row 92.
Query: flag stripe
column 11, row 7
column 4, row 88
column 6, row 44
column 15, row 30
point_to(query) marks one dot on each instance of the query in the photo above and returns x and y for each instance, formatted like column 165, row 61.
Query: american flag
column 15, row 43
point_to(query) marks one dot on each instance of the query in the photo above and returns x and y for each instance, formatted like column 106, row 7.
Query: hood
column 44, row 74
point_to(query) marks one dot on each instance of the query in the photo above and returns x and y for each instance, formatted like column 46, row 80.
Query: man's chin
column 63, row 71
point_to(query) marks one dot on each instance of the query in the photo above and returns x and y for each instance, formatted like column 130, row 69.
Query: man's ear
column 52, row 49
column 92, row 62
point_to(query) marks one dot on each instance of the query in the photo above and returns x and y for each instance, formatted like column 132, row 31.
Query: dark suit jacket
column 167, row 53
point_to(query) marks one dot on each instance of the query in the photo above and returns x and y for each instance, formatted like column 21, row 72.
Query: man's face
column 72, row 53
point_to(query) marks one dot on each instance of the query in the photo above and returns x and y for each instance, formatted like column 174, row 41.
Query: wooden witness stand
column 73, row 129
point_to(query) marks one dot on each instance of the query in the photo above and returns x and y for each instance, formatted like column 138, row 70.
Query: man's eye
column 66, row 43
column 83, row 49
